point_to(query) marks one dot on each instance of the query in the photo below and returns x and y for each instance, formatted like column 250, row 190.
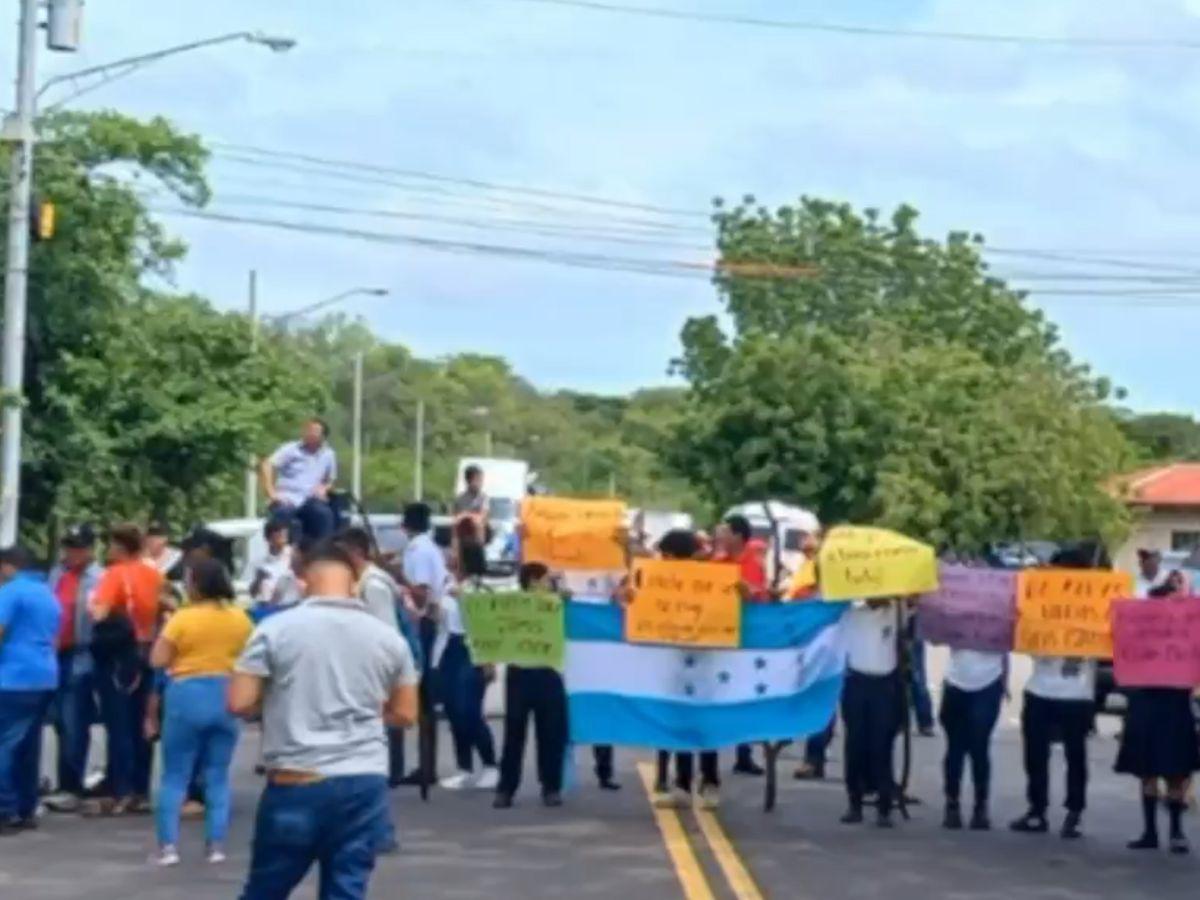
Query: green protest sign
column 525, row 629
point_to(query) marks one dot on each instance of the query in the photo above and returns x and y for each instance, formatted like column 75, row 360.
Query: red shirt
column 134, row 587
column 752, row 562
column 67, row 592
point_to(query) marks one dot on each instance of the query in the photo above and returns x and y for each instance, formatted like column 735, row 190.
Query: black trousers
column 969, row 718
column 395, row 739
column 710, row 774
column 1044, row 721
column 538, row 693
column 603, row 756
column 817, row 744
column 871, row 715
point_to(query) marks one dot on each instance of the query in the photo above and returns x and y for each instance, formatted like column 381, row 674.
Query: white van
column 505, row 482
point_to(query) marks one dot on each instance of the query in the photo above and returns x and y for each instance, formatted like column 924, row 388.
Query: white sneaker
column 216, row 855
column 459, row 782
column 488, row 780
column 167, row 856
column 709, row 797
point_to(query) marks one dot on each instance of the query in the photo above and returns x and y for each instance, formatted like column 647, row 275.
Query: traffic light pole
column 19, row 129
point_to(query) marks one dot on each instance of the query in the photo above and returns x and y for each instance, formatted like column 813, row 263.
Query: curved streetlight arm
column 337, row 298
column 122, row 67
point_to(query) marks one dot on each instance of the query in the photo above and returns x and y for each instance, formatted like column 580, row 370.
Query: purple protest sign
column 1156, row 643
column 972, row 609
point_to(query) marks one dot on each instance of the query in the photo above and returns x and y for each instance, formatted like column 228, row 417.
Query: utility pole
column 356, row 475
column 419, row 454
column 19, row 128
column 251, row 463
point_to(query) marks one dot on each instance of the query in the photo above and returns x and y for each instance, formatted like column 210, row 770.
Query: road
column 604, row 845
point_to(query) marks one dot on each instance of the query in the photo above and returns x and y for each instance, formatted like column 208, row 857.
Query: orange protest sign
column 573, row 534
column 1067, row 612
column 682, row 602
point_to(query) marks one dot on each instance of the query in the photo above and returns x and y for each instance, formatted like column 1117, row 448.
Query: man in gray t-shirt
column 326, row 676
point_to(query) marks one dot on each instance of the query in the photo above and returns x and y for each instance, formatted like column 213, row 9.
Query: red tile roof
column 1174, row 484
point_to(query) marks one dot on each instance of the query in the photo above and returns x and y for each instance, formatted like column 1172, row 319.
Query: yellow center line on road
column 679, row 848
column 736, row 873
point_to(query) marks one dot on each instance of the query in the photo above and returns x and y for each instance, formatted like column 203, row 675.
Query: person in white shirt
column 871, row 708
column 275, row 565
column 1059, row 703
column 462, row 683
column 971, row 698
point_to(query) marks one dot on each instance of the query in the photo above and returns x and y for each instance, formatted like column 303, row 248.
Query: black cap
column 79, row 537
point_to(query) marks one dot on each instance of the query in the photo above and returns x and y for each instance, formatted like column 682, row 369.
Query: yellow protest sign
column 1067, row 612
column 859, row 563
column 682, row 602
column 573, row 534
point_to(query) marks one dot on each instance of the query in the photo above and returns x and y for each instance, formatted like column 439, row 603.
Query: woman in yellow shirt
column 198, row 647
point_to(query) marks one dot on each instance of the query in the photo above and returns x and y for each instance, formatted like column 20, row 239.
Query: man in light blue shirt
column 29, row 622
column 297, row 478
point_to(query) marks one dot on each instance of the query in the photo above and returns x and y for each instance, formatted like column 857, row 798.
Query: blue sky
column 1034, row 147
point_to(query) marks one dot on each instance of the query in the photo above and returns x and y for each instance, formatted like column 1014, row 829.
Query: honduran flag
column 782, row 683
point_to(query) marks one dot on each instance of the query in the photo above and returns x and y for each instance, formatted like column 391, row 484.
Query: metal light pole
column 19, row 129
column 357, row 462
column 252, row 462
column 419, row 454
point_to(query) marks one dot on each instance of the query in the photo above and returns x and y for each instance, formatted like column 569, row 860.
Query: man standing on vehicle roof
column 298, row 477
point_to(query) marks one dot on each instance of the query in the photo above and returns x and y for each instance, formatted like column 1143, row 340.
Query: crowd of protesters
column 341, row 652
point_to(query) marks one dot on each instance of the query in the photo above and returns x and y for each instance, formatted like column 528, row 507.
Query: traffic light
column 42, row 220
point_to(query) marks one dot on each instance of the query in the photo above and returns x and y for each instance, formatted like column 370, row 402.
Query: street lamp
column 251, row 493
column 19, row 129
column 330, row 301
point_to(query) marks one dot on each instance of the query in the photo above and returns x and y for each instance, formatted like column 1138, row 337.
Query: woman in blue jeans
column 198, row 648
column 463, row 685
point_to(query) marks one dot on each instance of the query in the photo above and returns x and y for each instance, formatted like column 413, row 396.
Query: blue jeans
column 463, row 686
column 74, row 712
column 337, row 823
column 123, row 708
column 312, row 519
column 21, row 718
column 196, row 726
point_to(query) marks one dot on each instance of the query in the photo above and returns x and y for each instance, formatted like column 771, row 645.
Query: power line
column 545, row 193
column 974, row 37
column 664, row 267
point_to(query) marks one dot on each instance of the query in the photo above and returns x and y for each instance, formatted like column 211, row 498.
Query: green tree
column 1162, row 436
column 884, row 377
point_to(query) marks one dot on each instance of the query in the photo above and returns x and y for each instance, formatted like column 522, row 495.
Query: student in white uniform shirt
column 871, row 707
column 443, row 637
column 1150, row 572
column 971, row 698
column 1060, row 700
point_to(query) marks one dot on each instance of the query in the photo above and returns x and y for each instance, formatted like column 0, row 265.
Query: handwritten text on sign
column 525, row 629
column 860, row 563
column 694, row 604
column 1156, row 643
column 1066, row 612
column 573, row 534
column 972, row 609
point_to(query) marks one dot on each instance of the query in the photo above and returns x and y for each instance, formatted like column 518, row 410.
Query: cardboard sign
column 573, row 534
column 525, row 629
column 1066, row 612
column 692, row 604
column 863, row 563
column 972, row 609
column 1156, row 643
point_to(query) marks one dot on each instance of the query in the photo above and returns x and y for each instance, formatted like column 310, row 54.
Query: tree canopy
column 883, row 377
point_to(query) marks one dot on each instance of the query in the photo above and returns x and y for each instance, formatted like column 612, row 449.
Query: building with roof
column 1165, row 504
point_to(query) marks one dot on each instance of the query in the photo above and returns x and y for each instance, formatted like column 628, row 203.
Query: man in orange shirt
column 126, row 606
column 750, row 555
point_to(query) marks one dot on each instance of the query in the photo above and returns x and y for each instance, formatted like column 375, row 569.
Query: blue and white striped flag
column 783, row 682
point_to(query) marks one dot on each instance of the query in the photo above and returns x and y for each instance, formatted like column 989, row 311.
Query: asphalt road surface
column 613, row 845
